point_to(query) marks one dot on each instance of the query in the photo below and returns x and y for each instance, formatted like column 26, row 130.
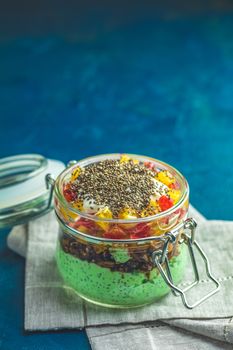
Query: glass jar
column 122, row 272
column 115, row 270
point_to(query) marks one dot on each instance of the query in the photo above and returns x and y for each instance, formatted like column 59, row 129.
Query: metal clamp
column 160, row 257
column 50, row 182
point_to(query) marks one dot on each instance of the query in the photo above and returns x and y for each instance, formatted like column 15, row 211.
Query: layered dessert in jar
column 114, row 212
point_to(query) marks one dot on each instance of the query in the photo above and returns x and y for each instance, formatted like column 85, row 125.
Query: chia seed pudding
column 112, row 212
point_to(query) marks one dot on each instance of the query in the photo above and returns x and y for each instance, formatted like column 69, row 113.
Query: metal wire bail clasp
column 50, row 181
column 160, row 258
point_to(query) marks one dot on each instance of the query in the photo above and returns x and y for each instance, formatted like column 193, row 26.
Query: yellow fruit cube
column 149, row 211
column 75, row 173
column 127, row 214
column 163, row 177
column 78, row 204
column 63, row 213
column 104, row 213
column 67, row 214
column 174, row 195
column 153, row 203
column 125, row 159
column 83, row 229
column 145, row 213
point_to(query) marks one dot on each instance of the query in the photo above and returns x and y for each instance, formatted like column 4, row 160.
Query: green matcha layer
column 103, row 286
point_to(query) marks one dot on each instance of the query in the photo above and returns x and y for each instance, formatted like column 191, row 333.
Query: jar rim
column 89, row 160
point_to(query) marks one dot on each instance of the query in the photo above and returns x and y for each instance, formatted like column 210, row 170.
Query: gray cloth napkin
column 149, row 337
column 56, row 307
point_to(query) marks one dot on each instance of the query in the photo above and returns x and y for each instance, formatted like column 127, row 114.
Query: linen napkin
column 45, row 298
column 150, row 337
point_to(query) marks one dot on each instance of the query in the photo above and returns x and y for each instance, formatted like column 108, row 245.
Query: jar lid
column 23, row 191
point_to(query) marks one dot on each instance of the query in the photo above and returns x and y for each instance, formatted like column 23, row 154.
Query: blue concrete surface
column 12, row 335
column 161, row 88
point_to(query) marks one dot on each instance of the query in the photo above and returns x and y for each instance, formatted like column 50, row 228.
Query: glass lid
column 23, row 191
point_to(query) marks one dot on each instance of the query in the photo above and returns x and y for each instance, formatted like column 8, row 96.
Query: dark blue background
column 155, row 85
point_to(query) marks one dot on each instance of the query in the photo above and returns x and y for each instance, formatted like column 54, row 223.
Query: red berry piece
column 150, row 165
column 165, row 203
column 115, row 233
column 84, row 222
column 141, row 230
column 69, row 195
column 182, row 213
column 174, row 186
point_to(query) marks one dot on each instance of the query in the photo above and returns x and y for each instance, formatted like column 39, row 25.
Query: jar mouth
column 20, row 168
column 89, row 160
